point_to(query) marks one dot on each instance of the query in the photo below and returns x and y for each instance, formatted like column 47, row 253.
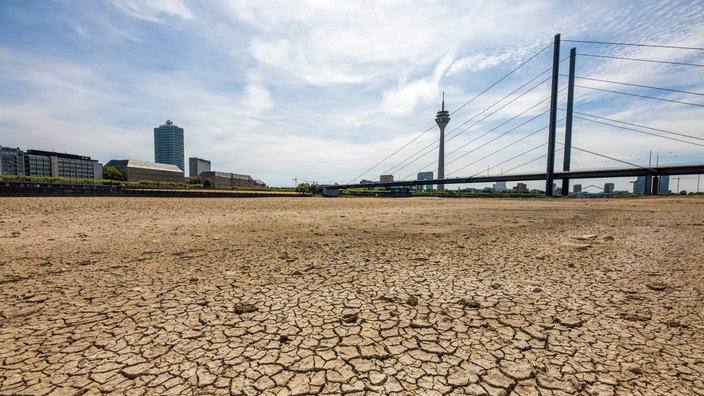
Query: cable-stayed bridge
column 568, row 175
column 624, row 103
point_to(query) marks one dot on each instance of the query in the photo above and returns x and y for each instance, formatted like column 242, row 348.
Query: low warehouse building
column 224, row 180
column 136, row 170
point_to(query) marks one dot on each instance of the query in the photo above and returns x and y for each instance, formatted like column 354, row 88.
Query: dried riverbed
column 144, row 296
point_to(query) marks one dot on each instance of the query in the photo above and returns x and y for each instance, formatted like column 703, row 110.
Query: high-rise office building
column 168, row 145
column 664, row 185
column 499, row 186
column 425, row 176
column 639, row 185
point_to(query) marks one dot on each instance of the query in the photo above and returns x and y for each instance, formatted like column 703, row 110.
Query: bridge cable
column 448, row 137
column 636, row 85
column 392, row 154
column 611, row 158
column 533, row 160
column 640, row 96
column 431, row 146
column 508, row 145
column 465, row 104
column 501, row 149
column 637, row 125
column 634, row 44
column 498, row 136
column 643, row 132
column 642, row 60
column 503, row 78
column 505, row 133
column 484, row 134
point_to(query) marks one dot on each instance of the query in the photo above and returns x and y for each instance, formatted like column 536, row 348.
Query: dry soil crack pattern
column 297, row 296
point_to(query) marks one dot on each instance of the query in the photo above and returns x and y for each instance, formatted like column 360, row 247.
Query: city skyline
column 15, row 161
column 314, row 92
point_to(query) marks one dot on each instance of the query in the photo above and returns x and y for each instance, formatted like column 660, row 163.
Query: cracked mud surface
column 299, row 296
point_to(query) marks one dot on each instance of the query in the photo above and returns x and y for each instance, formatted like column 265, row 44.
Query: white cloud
column 257, row 99
column 154, row 10
column 403, row 99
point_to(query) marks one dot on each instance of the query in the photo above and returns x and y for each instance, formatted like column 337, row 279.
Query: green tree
column 111, row 173
column 208, row 183
column 307, row 188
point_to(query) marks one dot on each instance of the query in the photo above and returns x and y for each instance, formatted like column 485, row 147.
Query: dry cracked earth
column 297, row 296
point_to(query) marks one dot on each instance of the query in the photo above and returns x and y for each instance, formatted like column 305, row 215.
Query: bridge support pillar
column 330, row 191
column 550, row 173
column 568, row 124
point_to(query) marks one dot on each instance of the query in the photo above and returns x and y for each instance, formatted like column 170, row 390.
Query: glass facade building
column 38, row 165
column 48, row 164
column 12, row 161
column 425, row 176
column 168, row 145
column 663, row 185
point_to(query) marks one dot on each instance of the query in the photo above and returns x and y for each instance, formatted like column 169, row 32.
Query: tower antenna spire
column 443, row 100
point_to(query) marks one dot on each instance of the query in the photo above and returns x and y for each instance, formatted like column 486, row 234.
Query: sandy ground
column 351, row 296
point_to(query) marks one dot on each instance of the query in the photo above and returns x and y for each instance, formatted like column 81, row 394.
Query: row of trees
column 309, row 188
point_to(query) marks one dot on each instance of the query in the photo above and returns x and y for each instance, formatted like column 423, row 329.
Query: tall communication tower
column 442, row 119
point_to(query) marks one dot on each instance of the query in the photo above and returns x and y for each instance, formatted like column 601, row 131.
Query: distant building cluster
column 660, row 184
column 168, row 165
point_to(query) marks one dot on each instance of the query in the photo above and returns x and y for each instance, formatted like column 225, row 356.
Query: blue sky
column 321, row 90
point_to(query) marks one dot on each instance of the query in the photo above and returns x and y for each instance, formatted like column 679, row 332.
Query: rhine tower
column 442, row 119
